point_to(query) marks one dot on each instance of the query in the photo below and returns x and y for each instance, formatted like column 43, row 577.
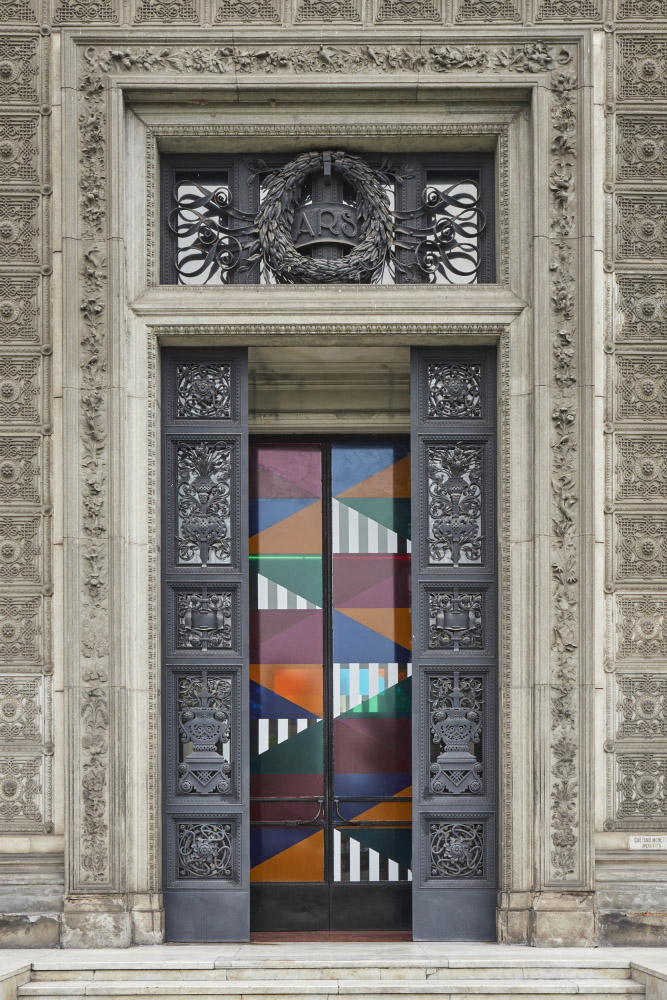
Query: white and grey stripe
column 272, row 596
column 354, row 532
column 354, row 862
column 267, row 733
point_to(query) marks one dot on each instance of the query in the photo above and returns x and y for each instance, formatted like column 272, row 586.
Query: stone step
column 53, row 970
column 281, row 989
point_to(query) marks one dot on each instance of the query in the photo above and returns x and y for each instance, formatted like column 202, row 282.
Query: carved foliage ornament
column 441, row 238
column 457, row 850
column 455, row 504
column 455, row 705
column 204, row 719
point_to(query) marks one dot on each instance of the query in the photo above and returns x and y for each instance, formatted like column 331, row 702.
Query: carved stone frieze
column 641, row 547
column 643, row 307
column 20, row 549
column 641, row 627
column 641, row 387
column 19, row 470
column 19, row 229
column 19, row 149
column 641, row 707
column 19, row 69
column 641, row 147
column 642, row 67
column 641, row 467
column 642, row 227
column 20, row 709
column 21, row 630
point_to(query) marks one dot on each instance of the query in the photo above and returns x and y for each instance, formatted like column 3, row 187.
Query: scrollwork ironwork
column 455, row 620
column 454, row 391
column 455, row 504
column 204, row 719
column 203, row 391
column 455, row 710
column 204, row 508
column 456, row 849
column 437, row 241
column 204, row 620
column 205, row 850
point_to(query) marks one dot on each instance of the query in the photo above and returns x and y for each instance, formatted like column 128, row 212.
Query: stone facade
column 568, row 92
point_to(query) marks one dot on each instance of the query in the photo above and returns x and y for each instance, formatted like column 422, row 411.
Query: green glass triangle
column 393, row 514
column 302, row 753
column 394, row 843
column 394, row 703
column 300, row 574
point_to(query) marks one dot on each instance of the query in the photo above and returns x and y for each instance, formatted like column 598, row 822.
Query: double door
column 330, row 684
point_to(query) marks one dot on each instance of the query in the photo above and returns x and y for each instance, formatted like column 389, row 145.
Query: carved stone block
column 640, row 10
column 641, row 388
column 328, row 10
column 85, row 11
column 19, row 229
column 643, row 307
column 20, row 709
column 641, row 707
column 167, row 11
column 21, row 629
column 20, row 549
column 22, row 792
column 641, row 627
column 641, row 787
column 569, row 10
column 19, row 470
column 19, row 149
column 410, row 11
column 641, row 468
column 19, row 69
column 247, row 11
column 18, row 10
column 641, row 229
column 641, row 147
column 641, row 547
column 642, row 67
column 487, row 10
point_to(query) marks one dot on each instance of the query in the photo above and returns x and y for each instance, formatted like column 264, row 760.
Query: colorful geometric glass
column 365, row 661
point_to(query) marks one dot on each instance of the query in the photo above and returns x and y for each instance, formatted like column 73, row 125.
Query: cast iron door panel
column 453, row 401
column 204, row 642
column 330, row 696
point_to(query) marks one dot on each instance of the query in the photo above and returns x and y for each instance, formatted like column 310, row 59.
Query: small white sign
column 648, row 843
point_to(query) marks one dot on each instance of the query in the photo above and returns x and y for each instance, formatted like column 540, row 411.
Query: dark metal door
column 205, row 644
column 453, row 400
column 330, row 757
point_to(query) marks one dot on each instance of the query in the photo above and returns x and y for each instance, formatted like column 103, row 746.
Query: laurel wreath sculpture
column 282, row 197
column 438, row 237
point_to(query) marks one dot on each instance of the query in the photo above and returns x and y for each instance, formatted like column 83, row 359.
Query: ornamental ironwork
column 454, row 391
column 204, row 620
column 204, row 509
column 455, row 504
column 204, row 714
column 437, row 241
column 203, row 391
column 455, row 620
column 205, row 850
column 455, row 709
column 456, row 849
